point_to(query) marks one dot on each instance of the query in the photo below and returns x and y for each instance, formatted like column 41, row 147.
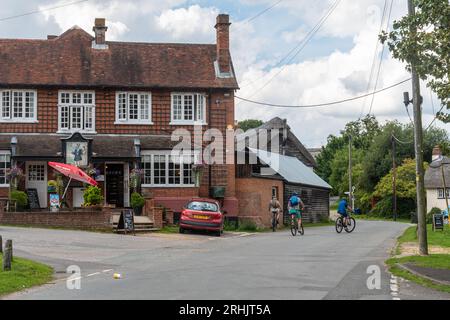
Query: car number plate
column 200, row 217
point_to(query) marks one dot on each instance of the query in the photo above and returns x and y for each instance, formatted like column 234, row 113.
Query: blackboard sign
column 33, row 199
column 438, row 222
column 126, row 221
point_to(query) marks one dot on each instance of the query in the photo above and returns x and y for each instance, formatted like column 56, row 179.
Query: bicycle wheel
column 294, row 227
column 301, row 230
column 351, row 225
column 339, row 225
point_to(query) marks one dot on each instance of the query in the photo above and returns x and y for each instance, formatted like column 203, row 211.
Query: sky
column 271, row 60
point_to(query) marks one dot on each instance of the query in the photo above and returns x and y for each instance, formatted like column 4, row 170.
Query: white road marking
column 107, row 270
column 394, row 288
column 92, row 274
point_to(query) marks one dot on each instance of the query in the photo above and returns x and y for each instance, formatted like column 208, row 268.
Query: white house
column 438, row 175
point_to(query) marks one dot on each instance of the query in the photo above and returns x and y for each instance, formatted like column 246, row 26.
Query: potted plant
column 137, row 203
column 20, row 198
column 93, row 198
column 52, row 186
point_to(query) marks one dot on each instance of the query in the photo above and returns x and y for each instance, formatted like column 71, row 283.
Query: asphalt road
column 320, row 265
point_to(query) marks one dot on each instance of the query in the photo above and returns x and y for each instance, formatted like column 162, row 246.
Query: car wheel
column 218, row 233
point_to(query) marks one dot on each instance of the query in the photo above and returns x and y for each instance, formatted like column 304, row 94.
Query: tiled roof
column 103, row 146
column 70, row 60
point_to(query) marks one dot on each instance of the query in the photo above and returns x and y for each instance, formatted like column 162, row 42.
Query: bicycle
column 294, row 226
column 349, row 227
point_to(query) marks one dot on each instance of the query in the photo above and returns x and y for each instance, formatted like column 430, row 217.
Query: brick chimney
column 223, row 43
column 437, row 153
column 100, row 29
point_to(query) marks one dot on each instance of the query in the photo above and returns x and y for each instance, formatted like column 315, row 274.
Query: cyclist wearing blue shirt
column 342, row 210
column 295, row 205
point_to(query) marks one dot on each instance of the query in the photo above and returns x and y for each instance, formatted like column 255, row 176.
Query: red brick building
column 112, row 106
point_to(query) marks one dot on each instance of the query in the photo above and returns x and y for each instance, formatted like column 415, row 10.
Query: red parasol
column 72, row 172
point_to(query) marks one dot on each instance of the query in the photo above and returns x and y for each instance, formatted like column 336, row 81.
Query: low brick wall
column 68, row 219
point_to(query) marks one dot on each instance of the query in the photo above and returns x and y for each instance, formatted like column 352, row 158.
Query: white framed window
column 441, row 193
column 133, row 108
column 76, row 111
column 188, row 108
column 162, row 169
column 5, row 165
column 19, row 106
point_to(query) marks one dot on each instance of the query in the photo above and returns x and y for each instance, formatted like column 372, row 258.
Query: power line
column 375, row 55
column 263, row 11
column 381, row 58
column 323, row 104
column 434, row 120
column 400, row 141
column 303, row 44
column 39, row 11
column 247, row 83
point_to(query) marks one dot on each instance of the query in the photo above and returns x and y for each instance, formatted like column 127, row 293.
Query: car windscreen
column 202, row 206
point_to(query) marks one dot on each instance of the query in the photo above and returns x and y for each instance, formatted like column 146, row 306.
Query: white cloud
column 184, row 23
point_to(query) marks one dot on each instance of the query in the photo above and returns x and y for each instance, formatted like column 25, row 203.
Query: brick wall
column 254, row 195
column 73, row 219
column 4, row 192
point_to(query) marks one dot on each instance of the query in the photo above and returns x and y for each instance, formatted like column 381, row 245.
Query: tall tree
column 249, row 124
column 428, row 49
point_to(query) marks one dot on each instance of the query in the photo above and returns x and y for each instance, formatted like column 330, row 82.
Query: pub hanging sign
column 77, row 150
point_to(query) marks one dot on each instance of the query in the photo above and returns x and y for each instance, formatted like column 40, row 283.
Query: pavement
column 320, row 265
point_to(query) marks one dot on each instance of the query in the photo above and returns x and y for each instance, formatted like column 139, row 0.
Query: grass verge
column 436, row 261
column 438, row 238
column 24, row 274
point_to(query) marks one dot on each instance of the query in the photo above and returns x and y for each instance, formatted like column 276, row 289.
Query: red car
column 202, row 214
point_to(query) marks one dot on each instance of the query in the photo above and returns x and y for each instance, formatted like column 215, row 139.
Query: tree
column 405, row 184
column 249, row 124
column 326, row 156
column 428, row 48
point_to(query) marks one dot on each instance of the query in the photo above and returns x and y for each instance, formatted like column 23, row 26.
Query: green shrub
column 92, row 196
column 137, row 200
column 432, row 212
column 21, row 199
column 383, row 209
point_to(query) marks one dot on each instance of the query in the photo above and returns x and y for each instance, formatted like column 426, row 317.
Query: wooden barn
column 280, row 173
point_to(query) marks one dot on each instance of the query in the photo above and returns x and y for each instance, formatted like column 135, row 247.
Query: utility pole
column 350, row 166
column 394, row 178
column 418, row 135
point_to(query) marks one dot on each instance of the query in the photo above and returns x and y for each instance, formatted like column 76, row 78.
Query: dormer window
column 18, row 106
column 76, row 111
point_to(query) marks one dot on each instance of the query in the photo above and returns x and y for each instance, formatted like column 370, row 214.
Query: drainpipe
column 209, row 125
column 137, row 151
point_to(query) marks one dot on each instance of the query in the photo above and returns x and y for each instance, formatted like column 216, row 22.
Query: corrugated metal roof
column 291, row 169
